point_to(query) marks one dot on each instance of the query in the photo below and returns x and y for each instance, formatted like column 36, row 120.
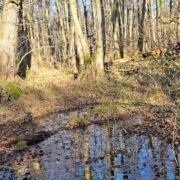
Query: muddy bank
column 159, row 121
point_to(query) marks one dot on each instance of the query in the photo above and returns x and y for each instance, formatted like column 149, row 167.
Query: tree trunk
column 48, row 29
column 151, row 20
column 162, row 19
column 23, row 44
column 178, row 23
column 158, row 21
column 99, row 56
column 8, row 40
column 130, row 21
column 85, row 16
column 141, row 28
column 120, row 23
column 61, row 32
column 82, row 38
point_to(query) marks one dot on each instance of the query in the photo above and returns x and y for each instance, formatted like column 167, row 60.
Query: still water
column 98, row 152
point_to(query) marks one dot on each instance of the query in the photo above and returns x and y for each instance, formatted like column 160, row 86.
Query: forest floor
column 144, row 89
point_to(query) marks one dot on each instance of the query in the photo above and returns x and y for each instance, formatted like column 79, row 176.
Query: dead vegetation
column 128, row 89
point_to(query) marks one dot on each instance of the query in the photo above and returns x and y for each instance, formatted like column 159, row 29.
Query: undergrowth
column 75, row 120
column 12, row 90
column 129, row 84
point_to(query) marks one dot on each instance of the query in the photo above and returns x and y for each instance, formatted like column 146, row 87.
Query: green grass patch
column 76, row 121
column 106, row 108
column 156, row 97
column 74, row 117
column 138, row 102
column 132, row 102
column 12, row 90
column 47, row 110
column 83, row 120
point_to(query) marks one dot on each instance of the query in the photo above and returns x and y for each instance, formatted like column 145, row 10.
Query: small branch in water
column 30, row 138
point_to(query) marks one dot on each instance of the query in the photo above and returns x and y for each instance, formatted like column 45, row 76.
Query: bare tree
column 74, row 32
column 141, row 27
column 8, row 40
column 82, row 37
column 99, row 56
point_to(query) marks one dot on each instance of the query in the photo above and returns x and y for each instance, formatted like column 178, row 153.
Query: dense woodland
column 83, row 34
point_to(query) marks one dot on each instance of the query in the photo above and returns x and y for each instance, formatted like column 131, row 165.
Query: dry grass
column 47, row 89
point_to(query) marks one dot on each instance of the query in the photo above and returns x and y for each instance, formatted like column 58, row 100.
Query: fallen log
column 29, row 138
column 155, row 53
column 123, row 60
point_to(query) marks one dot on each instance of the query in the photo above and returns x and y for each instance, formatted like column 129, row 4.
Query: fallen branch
column 29, row 139
column 155, row 53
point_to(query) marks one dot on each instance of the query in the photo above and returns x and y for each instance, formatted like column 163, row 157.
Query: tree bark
column 151, row 20
column 8, row 40
column 141, row 28
column 99, row 56
column 23, row 44
column 82, row 38
column 120, row 23
column 61, row 32
column 178, row 23
column 130, row 29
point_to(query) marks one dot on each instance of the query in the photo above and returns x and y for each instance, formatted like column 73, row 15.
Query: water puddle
column 98, row 153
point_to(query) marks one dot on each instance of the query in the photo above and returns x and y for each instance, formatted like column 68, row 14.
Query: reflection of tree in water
column 86, row 157
column 116, row 157
column 102, row 152
column 110, row 148
column 142, row 157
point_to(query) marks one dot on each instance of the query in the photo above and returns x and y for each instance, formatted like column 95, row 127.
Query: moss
column 12, row 90
column 28, row 71
column 21, row 144
column 87, row 59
